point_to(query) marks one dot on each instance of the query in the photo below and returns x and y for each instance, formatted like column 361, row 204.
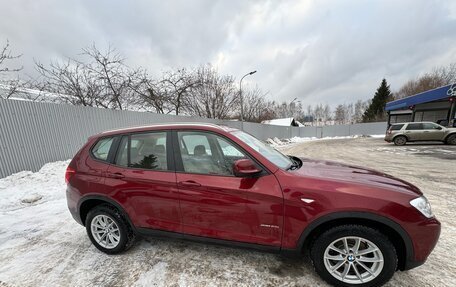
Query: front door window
column 206, row 153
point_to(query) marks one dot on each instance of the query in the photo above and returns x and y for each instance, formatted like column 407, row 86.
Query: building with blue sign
column 437, row 105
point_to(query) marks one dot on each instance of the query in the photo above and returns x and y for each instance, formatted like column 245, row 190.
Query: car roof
column 168, row 126
column 414, row 123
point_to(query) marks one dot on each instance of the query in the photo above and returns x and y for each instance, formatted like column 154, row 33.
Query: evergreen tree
column 376, row 109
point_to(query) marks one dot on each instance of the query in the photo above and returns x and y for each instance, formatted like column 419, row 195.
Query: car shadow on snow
column 271, row 263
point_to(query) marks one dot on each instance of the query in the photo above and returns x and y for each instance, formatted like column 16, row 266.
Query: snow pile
column 276, row 142
column 25, row 187
column 377, row 136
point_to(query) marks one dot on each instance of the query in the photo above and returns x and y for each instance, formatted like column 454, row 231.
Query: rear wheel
column 354, row 255
column 108, row 230
column 451, row 140
column 400, row 140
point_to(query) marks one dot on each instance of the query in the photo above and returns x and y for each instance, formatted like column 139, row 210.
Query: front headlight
column 423, row 206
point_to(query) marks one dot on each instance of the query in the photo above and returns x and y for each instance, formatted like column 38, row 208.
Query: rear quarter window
column 396, row 127
column 101, row 149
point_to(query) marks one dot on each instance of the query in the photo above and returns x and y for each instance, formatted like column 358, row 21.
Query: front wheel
column 354, row 255
column 451, row 140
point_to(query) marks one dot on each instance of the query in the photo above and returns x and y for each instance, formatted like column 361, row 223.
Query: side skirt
column 201, row 239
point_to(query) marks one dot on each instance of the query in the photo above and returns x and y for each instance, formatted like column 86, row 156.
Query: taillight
column 69, row 173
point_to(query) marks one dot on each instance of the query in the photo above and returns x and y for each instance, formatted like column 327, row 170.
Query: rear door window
column 414, row 126
column 145, row 151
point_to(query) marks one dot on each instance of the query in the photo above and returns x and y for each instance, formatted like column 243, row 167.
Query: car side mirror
column 245, row 168
column 438, row 128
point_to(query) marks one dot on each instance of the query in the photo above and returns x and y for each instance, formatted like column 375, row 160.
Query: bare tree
column 97, row 79
column 256, row 107
column 68, row 82
column 212, row 95
column 165, row 96
column 326, row 113
column 112, row 74
column 6, row 55
column 10, row 83
column 339, row 114
column 349, row 113
column 150, row 93
column 178, row 85
column 359, row 109
column 436, row 78
column 309, row 111
column 320, row 115
column 447, row 74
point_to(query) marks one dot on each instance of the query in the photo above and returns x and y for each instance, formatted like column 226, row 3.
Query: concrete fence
column 32, row 133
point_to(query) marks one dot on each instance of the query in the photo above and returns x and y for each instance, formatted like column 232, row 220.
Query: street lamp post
column 240, row 94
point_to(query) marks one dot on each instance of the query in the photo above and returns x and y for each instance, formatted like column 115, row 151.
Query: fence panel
column 32, row 134
column 368, row 129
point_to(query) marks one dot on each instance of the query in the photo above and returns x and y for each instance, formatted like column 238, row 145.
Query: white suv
column 402, row 133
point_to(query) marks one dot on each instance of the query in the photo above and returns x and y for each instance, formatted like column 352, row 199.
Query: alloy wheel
column 353, row 260
column 105, row 231
column 400, row 141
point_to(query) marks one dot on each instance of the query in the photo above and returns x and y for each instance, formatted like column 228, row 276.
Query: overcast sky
column 318, row 51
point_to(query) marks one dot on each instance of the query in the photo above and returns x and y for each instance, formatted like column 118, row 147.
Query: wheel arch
column 90, row 201
column 449, row 135
column 399, row 135
column 397, row 235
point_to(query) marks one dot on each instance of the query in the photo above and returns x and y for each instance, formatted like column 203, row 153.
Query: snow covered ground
column 276, row 142
column 41, row 245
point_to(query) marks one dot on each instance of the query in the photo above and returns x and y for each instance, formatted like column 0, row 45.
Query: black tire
column 451, row 140
column 127, row 235
column 400, row 140
column 387, row 249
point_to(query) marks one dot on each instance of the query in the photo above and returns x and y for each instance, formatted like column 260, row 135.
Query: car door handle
column 117, row 175
column 189, row 183
column 425, row 131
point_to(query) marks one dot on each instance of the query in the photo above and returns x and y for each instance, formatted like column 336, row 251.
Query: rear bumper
column 72, row 202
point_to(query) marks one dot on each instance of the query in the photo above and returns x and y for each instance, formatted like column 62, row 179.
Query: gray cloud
column 318, row 51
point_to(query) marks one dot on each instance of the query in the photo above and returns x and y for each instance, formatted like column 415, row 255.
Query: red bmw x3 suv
column 222, row 185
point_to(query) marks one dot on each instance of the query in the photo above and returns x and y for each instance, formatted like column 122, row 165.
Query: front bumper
column 424, row 238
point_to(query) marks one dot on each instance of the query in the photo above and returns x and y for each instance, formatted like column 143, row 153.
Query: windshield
column 265, row 150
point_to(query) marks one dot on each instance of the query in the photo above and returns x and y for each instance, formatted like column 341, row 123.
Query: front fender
column 355, row 217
